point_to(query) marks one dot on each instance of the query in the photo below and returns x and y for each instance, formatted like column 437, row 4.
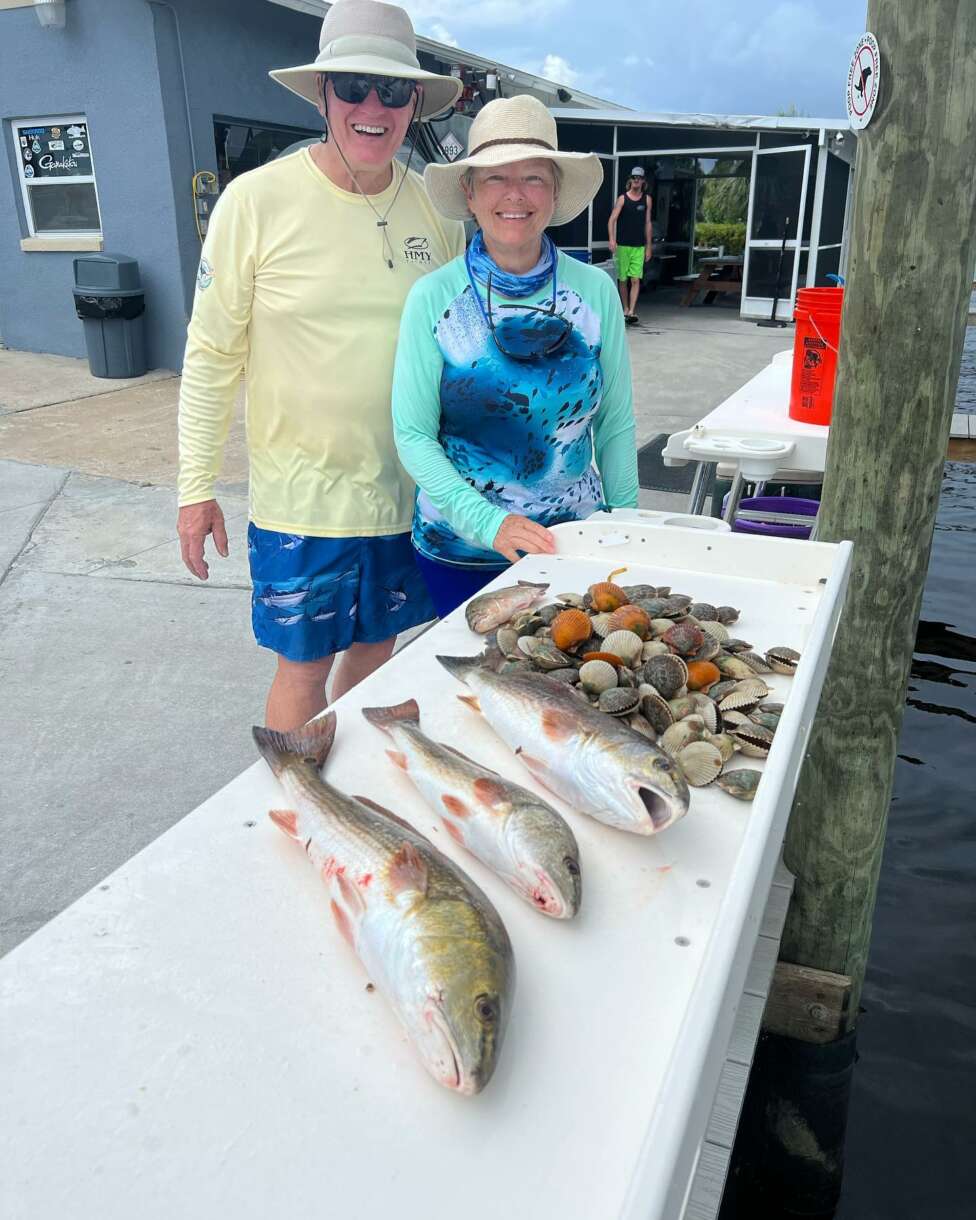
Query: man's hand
column 194, row 523
column 520, row 534
column 613, row 248
column 648, row 254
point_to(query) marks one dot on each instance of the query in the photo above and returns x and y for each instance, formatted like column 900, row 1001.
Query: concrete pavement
column 129, row 687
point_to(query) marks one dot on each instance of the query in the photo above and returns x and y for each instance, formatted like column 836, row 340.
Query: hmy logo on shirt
column 416, row 249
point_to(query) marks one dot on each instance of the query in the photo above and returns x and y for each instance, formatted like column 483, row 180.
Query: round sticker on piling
column 863, row 81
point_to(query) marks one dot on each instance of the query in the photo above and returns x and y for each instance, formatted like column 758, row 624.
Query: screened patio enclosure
column 724, row 185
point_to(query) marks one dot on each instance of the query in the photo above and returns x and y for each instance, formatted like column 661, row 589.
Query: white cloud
column 483, row 13
column 632, row 60
column 554, row 67
column 440, row 33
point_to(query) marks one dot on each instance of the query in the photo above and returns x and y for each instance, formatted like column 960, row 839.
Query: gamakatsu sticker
column 205, row 274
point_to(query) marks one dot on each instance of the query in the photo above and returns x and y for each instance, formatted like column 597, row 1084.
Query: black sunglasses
column 541, row 336
column 393, row 91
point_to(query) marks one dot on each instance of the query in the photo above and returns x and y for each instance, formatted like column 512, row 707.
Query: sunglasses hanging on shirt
column 393, row 91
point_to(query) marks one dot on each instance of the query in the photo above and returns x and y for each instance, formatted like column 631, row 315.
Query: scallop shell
column 684, row 638
column 507, row 639
column 756, row 663
column 659, row 626
column 782, row 660
column 548, row 613
column 637, row 591
column 624, row 644
column 652, row 606
column 631, row 618
column 718, row 692
column 723, row 743
column 597, row 677
column 569, row 676
column 771, row 707
column 570, row 627
column 741, row 783
column 654, row 648
column 715, row 629
column 732, row 718
column 683, row 705
column 677, row 736
column 704, row 612
column 702, row 675
column 570, row 599
column 705, row 708
column 745, row 695
column 607, row 596
column 667, row 674
column 700, row 763
column 752, row 739
column 600, row 624
column 641, row 725
column 655, row 709
column 734, row 645
column 626, row 677
column 727, row 615
column 544, row 653
column 733, row 667
column 768, row 720
column 611, row 658
column 709, row 650
column 619, row 702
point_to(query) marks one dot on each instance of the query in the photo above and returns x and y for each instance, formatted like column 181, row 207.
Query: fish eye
column 663, row 764
column 572, row 866
column 486, row 1010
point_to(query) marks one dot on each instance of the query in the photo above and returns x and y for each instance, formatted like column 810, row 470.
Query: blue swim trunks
column 315, row 596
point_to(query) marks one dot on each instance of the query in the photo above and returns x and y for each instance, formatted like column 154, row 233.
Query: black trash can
column 110, row 302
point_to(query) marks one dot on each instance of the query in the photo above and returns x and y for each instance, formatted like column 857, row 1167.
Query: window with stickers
column 57, row 176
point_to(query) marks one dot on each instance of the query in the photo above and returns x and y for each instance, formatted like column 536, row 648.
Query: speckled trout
column 517, row 835
column 430, row 940
column 490, row 610
column 600, row 767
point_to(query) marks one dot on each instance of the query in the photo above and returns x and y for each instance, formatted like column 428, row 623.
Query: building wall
column 119, row 63
column 102, row 65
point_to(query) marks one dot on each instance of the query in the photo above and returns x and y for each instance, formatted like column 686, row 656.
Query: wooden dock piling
column 913, row 246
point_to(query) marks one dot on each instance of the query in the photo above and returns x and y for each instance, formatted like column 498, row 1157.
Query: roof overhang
column 727, row 122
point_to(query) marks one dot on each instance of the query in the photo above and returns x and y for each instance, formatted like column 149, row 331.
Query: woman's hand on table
column 520, row 534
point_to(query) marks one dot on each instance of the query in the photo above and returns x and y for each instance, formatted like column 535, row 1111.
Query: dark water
column 911, row 1143
column 911, row 1140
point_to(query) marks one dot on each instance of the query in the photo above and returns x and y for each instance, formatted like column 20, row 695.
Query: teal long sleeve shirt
column 484, row 435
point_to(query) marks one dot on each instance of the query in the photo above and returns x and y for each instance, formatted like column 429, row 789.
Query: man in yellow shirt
column 306, row 266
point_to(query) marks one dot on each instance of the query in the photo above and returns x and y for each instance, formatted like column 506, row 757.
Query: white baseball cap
column 637, row 171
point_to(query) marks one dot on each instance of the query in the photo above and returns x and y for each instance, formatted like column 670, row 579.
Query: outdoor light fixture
column 50, row 13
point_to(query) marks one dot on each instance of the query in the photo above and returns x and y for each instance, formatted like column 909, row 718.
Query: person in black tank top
column 630, row 239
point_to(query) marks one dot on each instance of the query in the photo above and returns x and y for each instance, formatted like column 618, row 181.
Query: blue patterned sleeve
column 416, row 426
column 614, row 431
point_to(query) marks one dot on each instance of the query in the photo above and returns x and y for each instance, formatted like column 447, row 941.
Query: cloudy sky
column 724, row 56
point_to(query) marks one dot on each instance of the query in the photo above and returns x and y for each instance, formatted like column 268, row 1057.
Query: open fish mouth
column 659, row 810
column 543, row 895
column 448, row 1069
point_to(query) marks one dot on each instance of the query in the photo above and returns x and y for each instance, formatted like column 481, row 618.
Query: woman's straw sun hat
column 515, row 129
column 365, row 37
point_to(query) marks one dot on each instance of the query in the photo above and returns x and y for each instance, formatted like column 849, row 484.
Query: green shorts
column 630, row 262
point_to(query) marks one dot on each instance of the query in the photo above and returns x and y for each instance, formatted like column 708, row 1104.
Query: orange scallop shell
column 630, row 618
column 610, row 657
column 569, row 628
column 702, row 675
column 607, row 596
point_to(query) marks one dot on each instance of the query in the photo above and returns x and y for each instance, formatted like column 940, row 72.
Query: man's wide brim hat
column 515, row 129
column 365, row 37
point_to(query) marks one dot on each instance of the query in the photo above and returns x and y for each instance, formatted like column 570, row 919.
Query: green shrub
column 731, row 236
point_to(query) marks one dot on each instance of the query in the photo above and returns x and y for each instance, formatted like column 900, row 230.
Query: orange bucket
column 815, row 344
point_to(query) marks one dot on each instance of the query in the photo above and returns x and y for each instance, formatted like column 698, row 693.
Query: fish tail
column 460, row 667
column 401, row 713
column 312, row 742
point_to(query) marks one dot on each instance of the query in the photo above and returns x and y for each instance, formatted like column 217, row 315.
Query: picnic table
column 722, row 274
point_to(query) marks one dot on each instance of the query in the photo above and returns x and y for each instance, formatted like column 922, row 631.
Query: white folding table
column 753, row 431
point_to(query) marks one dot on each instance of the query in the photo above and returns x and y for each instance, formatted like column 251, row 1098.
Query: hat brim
column 440, row 92
column 582, row 175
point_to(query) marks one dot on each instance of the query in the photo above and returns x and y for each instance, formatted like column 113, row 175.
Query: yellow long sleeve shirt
column 295, row 292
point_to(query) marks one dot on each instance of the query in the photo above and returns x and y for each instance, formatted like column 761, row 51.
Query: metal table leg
column 735, row 495
column 699, row 488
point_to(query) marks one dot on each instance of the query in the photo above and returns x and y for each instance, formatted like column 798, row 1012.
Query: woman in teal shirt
column 512, row 372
